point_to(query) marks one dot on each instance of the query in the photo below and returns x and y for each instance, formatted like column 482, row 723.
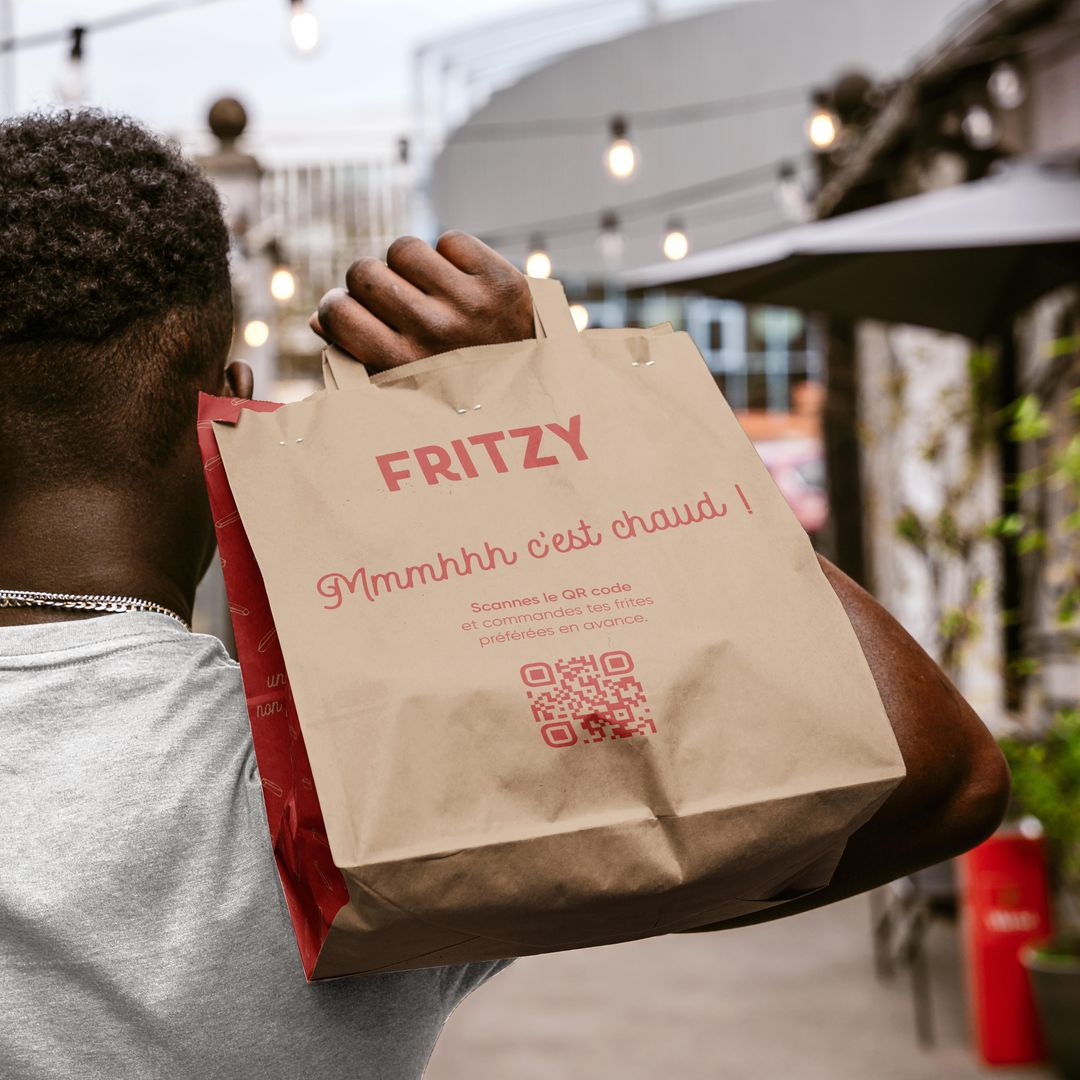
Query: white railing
column 330, row 214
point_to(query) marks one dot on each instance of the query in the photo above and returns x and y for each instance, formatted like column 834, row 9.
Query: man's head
column 116, row 306
column 116, row 310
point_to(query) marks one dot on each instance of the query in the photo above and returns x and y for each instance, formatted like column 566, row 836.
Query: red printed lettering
column 627, row 525
column 467, row 466
column 542, row 445
column 391, row 475
column 373, row 584
column 532, row 435
column 571, row 436
column 488, row 441
column 435, row 462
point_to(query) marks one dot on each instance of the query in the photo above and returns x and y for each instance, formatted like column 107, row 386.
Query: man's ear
column 239, row 381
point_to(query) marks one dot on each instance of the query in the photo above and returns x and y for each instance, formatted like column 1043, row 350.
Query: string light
column 666, row 116
column 621, row 155
column 1006, row 87
column 538, row 261
column 823, row 125
column 762, row 177
column 71, row 84
column 137, row 14
column 303, row 26
column 980, row 127
column 256, row 333
column 580, row 314
column 610, row 241
column 676, row 245
column 282, row 284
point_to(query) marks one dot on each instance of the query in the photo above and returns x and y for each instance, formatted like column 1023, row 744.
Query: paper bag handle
column 342, row 371
column 551, row 313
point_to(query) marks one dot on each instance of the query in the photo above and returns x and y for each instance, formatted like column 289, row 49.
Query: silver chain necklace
column 83, row 602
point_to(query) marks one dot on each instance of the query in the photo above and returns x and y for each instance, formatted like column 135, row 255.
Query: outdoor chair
column 901, row 914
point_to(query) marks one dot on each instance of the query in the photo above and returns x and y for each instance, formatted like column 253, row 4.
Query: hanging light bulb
column 621, row 156
column 676, row 245
column 538, row 261
column 980, row 127
column 282, row 281
column 71, row 85
column 610, row 240
column 282, row 284
column 822, row 125
column 580, row 314
column 303, row 26
column 256, row 333
column 1006, row 86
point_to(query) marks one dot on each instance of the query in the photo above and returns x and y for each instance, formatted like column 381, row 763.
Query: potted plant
column 1046, row 786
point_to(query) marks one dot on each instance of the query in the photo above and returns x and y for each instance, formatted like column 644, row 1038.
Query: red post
column 1006, row 905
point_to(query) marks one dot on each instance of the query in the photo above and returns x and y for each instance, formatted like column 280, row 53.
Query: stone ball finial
column 227, row 119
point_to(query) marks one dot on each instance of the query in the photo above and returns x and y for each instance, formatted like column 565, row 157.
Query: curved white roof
column 761, row 56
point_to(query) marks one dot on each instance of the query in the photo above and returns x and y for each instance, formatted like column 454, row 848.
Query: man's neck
column 93, row 540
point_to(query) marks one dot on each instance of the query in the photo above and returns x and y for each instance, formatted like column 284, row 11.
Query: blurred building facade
column 326, row 216
column 295, row 229
column 942, row 524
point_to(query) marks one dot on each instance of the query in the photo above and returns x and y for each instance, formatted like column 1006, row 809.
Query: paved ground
column 791, row 1000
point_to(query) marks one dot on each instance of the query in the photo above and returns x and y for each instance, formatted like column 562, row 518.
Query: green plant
column 1046, row 785
column 946, row 537
column 1041, row 525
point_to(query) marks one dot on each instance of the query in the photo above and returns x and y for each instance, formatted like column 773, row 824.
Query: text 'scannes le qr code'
column 587, row 699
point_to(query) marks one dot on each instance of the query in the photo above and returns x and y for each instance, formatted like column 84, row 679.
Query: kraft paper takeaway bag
column 536, row 655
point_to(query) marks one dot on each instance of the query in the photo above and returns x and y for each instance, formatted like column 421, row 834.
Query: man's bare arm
column 957, row 784
column 425, row 300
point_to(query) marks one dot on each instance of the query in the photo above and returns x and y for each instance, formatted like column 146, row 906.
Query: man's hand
column 425, row 300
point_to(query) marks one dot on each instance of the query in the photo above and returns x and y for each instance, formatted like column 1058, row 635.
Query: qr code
column 587, row 699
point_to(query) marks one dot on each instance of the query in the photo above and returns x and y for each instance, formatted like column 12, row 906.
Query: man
column 142, row 931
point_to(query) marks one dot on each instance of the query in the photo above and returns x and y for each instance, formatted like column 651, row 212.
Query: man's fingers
column 499, row 300
column 421, row 265
column 472, row 256
column 360, row 333
column 397, row 302
column 426, row 300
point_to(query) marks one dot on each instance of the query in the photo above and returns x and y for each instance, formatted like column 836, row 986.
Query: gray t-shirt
column 143, row 932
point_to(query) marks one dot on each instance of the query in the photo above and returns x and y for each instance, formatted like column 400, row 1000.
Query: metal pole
column 842, row 451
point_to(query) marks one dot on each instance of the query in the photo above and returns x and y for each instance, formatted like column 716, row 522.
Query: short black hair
column 116, row 305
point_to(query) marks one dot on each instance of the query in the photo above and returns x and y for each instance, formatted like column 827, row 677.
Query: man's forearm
column 957, row 784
